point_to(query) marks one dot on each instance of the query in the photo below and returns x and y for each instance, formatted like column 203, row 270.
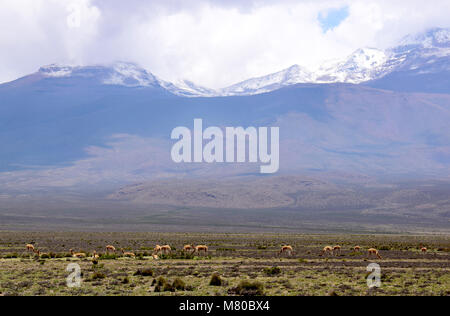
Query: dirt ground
column 243, row 264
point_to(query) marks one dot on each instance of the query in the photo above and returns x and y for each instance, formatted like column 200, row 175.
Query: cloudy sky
column 211, row 42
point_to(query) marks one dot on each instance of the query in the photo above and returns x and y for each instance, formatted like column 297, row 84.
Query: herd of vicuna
column 203, row 249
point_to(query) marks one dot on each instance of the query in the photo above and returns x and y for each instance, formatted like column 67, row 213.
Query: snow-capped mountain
column 187, row 88
column 292, row 75
column 363, row 65
column 124, row 74
column 120, row 73
column 425, row 53
column 414, row 56
column 422, row 51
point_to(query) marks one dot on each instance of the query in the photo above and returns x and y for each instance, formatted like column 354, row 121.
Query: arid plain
column 236, row 264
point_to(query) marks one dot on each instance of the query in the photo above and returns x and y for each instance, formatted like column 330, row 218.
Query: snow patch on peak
column 292, row 75
column 130, row 75
column 362, row 65
column 368, row 58
column 442, row 36
column 187, row 88
column 436, row 37
column 55, row 70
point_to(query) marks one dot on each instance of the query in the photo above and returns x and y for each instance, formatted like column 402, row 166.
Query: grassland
column 244, row 264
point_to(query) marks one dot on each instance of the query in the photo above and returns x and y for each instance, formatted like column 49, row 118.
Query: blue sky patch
column 331, row 18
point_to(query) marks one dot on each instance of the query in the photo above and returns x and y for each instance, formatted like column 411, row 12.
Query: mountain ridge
column 424, row 53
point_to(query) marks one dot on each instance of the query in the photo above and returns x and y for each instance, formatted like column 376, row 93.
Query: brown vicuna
column 128, row 254
column 166, row 249
column 201, row 249
column 157, row 249
column 286, row 250
column 336, row 250
column 372, row 252
column 110, row 248
column 78, row 254
column 328, row 250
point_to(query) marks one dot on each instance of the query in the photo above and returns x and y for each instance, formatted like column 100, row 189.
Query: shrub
column 140, row 256
column 161, row 281
column 247, row 288
column 225, row 250
column 11, row 256
column 144, row 272
column 177, row 255
column 179, row 284
column 98, row 276
column 216, row 280
column 168, row 288
column 272, row 271
column 107, row 256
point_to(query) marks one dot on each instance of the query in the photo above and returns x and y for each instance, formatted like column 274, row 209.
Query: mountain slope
column 417, row 63
column 68, row 128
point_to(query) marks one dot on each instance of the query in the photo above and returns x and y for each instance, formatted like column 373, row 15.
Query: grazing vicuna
column 201, row 248
column 30, row 248
column 166, row 249
column 95, row 255
column 110, row 248
column 128, row 254
column 327, row 250
column 79, row 255
column 373, row 252
column 188, row 248
column 357, row 248
column 39, row 254
column 336, row 250
column 287, row 250
column 157, row 249
column 424, row 249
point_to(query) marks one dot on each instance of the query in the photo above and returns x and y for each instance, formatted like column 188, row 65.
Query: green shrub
column 11, row 256
column 225, row 250
column 168, row 288
column 272, row 271
column 98, row 276
column 247, row 288
column 181, row 255
column 216, row 280
column 161, row 281
column 179, row 284
column 144, row 272
column 107, row 256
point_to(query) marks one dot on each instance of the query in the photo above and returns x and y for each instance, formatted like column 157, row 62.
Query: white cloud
column 213, row 43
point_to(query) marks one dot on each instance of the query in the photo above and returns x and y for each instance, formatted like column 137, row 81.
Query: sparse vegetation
column 245, row 271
